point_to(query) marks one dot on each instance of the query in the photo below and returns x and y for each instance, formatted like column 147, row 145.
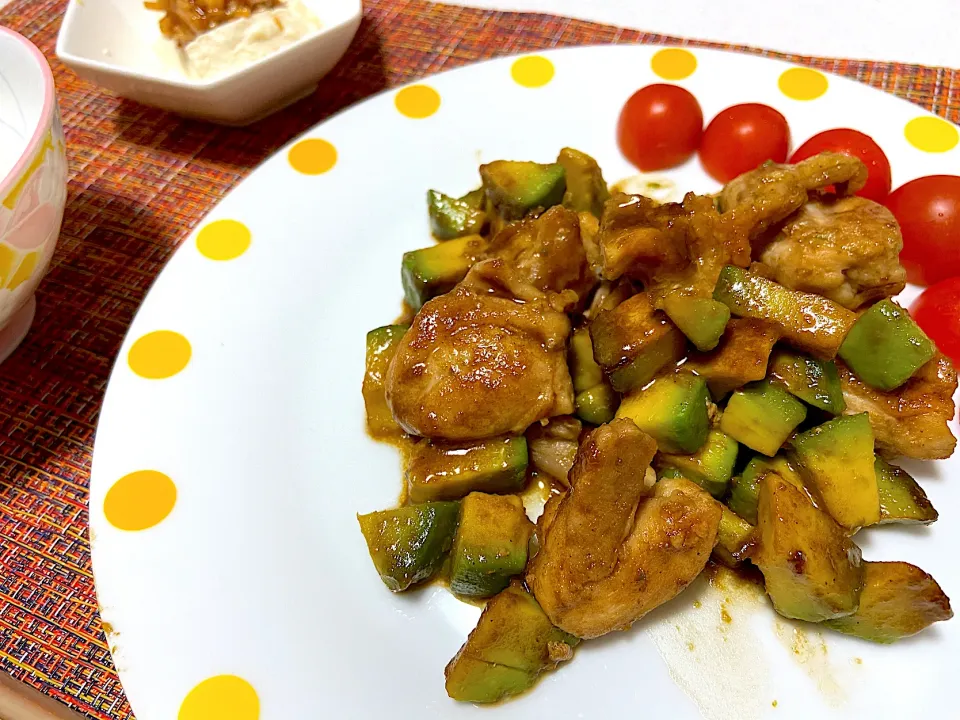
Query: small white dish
column 118, row 45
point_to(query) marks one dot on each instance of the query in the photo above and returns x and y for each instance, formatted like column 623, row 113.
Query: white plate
column 260, row 570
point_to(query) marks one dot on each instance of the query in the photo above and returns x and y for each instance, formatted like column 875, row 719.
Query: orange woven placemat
column 140, row 180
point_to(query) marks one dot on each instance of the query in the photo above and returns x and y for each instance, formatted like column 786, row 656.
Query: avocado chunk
column 634, row 341
column 512, row 644
column 733, row 538
column 902, row 500
column 762, row 415
column 898, row 600
column 672, row 410
column 409, row 544
column 816, row 382
column 837, row 462
column 885, row 347
column 745, row 488
column 584, row 370
column 455, row 217
column 741, row 356
column 490, row 546
column 710, row 467
column 702, row 320
column 806, row 321
column 447, row 471
column 435, row 270
column 515, row 187
column 598, row 405
column 382, row 345
column 811, row 569
column 586, row 189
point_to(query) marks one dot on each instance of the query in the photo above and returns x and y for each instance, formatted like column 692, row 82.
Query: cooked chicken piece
column 911, row 420
column 475, row 364
column 546, row 252
column 613, row 548
column 761, row 198
column 670, row 246
column 845, row 249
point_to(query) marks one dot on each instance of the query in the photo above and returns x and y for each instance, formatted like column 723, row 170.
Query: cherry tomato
column 937, row 312
column 858, row 145
column 660, row 127
column 928, row 210
column 742, row 137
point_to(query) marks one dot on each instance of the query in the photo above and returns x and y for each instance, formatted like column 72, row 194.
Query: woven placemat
column 140, row 180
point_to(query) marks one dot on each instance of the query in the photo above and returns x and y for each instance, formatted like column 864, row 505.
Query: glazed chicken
column 760, row 199
column 911, row 420
column 478, row 363
column 616, row 546
column 546, row 252
column 845, row 249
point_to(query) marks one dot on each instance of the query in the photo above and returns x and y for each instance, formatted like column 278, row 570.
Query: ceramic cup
column 33, row 182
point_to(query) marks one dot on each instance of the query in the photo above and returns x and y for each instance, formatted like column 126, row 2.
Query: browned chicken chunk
column 546, row 252
column 475, row 364
column 911, row 420
column 614, row 548
column 845, row 249
column 760, row 199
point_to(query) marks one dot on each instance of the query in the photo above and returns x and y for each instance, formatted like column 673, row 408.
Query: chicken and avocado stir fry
column 722, row 378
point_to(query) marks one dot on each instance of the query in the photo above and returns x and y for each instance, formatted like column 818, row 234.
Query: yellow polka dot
column 160, row 354
column 802, row 83
column 312, row 156
column 24, row 271
column 140, row 500
column 532, row 71
column 224, row 697
column 674, row 63
column 223, row 239
column 417, row 101
column 931, row 134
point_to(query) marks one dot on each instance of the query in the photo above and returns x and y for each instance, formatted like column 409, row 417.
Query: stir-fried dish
column 722, row 379
column 184, row 20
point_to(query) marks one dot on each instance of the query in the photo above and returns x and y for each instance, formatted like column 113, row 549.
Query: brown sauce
column 184, row 20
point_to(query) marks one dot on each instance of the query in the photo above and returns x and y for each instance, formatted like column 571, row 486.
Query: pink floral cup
column 33, row 189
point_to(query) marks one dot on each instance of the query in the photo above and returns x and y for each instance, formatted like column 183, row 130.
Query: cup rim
column 46, row 113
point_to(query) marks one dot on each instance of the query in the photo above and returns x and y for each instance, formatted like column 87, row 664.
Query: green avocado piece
column 437, row 269
column 902, row 500
column 584, row 370
column 811, row 569
column 710, row 467
column 816, row 382
column 885, row 347
column 673, row 410
column 745, row 489
column 446, row 471
column 836, row 461
column 515, row 187
column 733, row 538
column 408, row 544
column 806, row 321
column 586, row 189
column 598, row 405
column 490, row 546
column 382, row 345
column 702, row 320
column 762, row 415
column 513, row 643
column 898, row 600
column 455, row 217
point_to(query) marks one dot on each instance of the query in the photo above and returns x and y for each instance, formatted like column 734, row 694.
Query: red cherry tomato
column 660, row 127
column 937, row 312
column 742, row 137
column 858, row 145
column 928, row 210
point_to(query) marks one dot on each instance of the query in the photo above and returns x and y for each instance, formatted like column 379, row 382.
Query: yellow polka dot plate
column 231, row 457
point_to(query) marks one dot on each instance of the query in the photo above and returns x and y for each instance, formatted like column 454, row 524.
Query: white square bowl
column 117, row 45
